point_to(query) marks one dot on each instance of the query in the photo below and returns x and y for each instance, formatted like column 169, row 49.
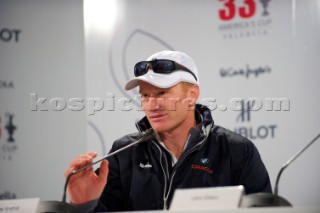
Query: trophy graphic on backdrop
column 265, row 7
column 10, row 128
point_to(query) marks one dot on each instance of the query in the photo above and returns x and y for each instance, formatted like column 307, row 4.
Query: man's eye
column 162, row 93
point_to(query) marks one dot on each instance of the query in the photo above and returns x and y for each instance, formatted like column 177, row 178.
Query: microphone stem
column 290, row 161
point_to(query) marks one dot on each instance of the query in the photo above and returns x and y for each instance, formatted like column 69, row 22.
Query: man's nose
column 155, row 103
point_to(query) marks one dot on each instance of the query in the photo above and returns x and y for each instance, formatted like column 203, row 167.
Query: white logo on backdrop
column 125, row 74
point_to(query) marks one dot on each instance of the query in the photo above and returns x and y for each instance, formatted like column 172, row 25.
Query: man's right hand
column 86, row 185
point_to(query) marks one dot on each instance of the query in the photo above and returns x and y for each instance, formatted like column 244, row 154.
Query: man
column 189, row 149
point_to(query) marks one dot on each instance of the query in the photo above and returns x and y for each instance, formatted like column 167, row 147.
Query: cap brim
column 158, row 80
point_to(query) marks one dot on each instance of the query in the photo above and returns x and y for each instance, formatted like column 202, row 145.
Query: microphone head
column 263, row 199
column 148, row 135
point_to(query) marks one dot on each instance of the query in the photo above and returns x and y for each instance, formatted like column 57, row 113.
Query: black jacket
column 142, row 178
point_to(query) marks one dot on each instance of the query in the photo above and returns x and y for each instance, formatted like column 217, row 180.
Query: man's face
column 168, row 109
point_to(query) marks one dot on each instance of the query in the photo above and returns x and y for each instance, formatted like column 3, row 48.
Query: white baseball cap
column 167, row 80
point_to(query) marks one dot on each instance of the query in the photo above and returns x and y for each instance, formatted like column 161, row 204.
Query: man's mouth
column 157, row 117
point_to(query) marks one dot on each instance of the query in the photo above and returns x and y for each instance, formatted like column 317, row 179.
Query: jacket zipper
column 170, row 178
column 166, row 174
column 178, row 164
column 173, row 174
column 165, row 207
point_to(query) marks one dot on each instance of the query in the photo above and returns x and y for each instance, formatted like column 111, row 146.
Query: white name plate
column 207, row 198
column 19, row 205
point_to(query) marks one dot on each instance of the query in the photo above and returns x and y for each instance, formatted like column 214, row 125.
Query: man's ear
column 195, row 91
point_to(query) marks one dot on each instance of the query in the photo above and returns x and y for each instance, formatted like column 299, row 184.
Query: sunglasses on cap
column 161, row 66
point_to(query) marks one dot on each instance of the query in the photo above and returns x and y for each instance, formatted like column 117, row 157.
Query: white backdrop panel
column 46, row 59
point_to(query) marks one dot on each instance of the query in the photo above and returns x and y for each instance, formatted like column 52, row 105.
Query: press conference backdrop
column 42, row 64
column 258, row 63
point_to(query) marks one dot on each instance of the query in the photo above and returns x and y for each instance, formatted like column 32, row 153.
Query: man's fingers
column 92, row 154
column 83, row 160
column 80, row 162
column 104, row 170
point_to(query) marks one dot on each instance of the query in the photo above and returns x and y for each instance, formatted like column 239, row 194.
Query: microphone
column 291, row 160
column 57, row 206
column 269, row 199
column 150, row 134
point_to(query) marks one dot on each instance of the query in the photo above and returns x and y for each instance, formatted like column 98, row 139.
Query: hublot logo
column 262, row 131
column 10, row 35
